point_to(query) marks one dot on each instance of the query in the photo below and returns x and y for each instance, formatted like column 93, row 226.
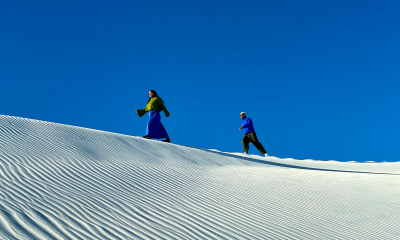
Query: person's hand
column 241, row 128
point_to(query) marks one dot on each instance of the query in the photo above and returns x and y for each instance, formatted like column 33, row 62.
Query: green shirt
column 155, row 103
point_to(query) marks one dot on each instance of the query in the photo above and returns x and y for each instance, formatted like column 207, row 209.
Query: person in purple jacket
column 250, row 135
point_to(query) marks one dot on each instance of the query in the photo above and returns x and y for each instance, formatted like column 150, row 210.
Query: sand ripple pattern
column 65, row 182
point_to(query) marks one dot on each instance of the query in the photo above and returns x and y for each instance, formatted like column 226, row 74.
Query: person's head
column 242, row 115
column 152, row 93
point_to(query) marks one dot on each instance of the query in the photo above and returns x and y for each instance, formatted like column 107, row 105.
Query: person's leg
column 163, row 133
column 150, row 124
column 245, row 143
column 155, row 128
column 155, row 125
column 256, row 143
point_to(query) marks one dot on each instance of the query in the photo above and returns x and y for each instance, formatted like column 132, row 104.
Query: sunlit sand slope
column 65, row 182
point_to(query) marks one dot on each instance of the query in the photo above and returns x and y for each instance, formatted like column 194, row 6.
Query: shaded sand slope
column 65, row 182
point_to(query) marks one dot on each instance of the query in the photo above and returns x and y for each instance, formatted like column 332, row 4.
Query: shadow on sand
column 283, row 164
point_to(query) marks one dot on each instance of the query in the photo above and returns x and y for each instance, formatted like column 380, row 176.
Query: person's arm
column 141, row 112
column 160, row 102
column 243, row 125
column 246, row 123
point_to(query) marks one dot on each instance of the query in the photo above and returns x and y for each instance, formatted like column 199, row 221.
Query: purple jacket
column 248, row 125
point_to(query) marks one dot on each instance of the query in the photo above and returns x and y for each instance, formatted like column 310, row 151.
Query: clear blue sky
column 320, row 79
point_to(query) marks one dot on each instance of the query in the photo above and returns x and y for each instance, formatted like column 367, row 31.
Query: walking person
column 250, row 135
column 154, row 106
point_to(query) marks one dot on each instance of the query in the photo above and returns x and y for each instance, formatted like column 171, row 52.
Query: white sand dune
column 65, row 182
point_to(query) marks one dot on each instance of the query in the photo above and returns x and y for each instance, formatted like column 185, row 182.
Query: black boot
column 147, row 137
column 166, row 140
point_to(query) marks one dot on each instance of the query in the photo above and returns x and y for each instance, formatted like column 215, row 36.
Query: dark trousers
column 252, row 137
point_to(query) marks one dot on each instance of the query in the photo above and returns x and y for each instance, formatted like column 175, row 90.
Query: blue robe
column 154, row 126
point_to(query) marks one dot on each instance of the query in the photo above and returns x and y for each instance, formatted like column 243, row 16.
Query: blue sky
column 320, row 79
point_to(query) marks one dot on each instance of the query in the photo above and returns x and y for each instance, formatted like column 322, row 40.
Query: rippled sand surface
column 65, row 182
